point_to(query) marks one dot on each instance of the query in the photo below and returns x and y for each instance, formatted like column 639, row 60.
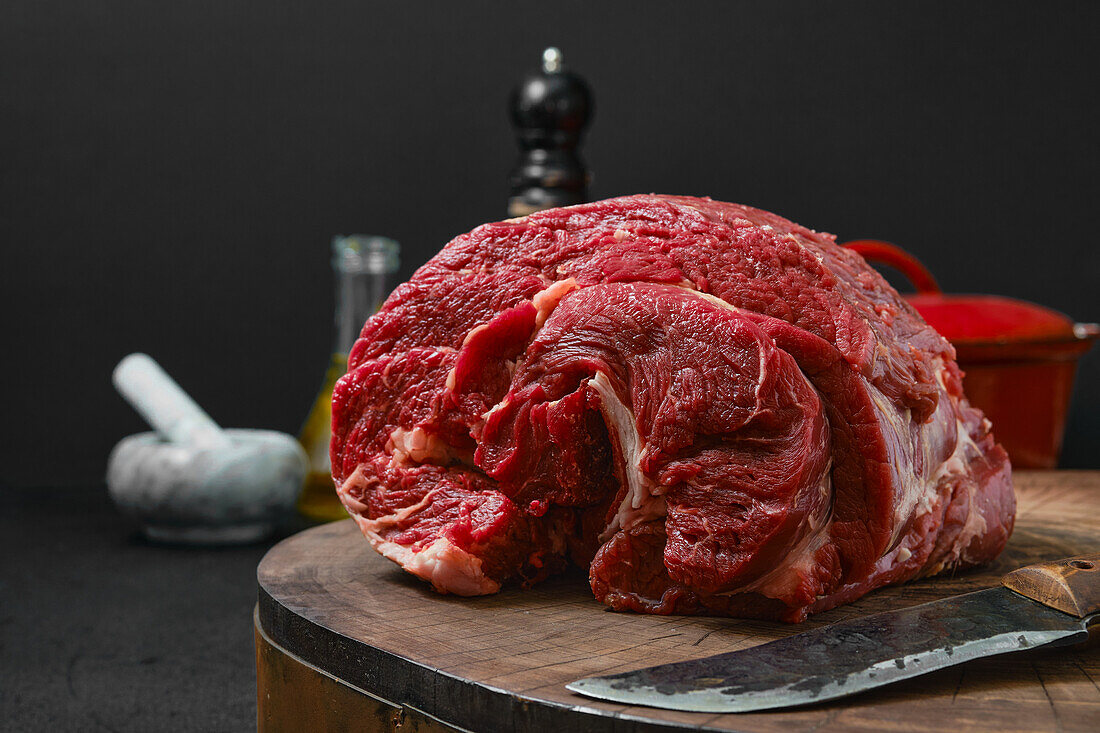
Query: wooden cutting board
column 347, row 641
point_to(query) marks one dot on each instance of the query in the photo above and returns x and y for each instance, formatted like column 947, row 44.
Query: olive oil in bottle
column 363, row 266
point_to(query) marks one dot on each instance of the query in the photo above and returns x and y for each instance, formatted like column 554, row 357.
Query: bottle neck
column 358, row 296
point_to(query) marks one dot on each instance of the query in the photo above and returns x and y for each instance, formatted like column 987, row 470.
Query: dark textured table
column 103, row 631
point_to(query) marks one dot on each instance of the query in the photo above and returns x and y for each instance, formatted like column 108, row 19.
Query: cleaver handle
column 1071, row 585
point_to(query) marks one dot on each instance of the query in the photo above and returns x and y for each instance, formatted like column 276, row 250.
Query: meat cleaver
column 1047, row 604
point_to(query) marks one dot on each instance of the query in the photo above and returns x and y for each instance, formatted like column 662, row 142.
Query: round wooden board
column 501, row 662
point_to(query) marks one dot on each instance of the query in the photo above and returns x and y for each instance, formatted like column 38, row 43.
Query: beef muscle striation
column 712, row 408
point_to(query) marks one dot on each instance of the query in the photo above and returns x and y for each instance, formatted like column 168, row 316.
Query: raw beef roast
column 713, row 409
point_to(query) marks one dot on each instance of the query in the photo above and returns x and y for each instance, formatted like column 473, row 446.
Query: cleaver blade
column 860, row 654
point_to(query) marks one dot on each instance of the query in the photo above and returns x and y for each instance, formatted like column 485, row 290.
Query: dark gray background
column 171, row 173
column 104, row 632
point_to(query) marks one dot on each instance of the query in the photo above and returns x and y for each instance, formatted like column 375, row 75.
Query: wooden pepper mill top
column 550, row 109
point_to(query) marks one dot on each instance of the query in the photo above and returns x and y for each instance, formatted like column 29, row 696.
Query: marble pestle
column 165, row 406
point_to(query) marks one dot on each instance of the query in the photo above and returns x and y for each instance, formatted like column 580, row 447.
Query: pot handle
column 876, row 250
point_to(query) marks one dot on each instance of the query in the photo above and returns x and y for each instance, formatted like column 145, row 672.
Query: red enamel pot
column 1020, row 358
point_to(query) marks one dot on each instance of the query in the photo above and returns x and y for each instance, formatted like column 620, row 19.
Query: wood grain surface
column 501, row 662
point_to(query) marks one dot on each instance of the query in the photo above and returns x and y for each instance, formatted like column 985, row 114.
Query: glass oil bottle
column 363, row 266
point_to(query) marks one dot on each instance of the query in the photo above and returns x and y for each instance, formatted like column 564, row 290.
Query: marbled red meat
column 713, row 409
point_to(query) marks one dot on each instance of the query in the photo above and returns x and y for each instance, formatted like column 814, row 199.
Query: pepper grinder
column 550, row 109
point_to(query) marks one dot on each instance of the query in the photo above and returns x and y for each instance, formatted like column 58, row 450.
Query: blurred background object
column 199, row 156
column 363, row 266
column 190, row 482
column 1019, row 359
column 550, row 109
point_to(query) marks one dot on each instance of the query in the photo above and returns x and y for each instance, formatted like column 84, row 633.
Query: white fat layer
column 916, row 473
column 545, row 301
column 357, row 480
column 642, row 501
column 419, row 446
column 713, row 300
column 975, row 526
column 448, row 568
column 911, row 488
column 498, row 406
column 959, row 464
